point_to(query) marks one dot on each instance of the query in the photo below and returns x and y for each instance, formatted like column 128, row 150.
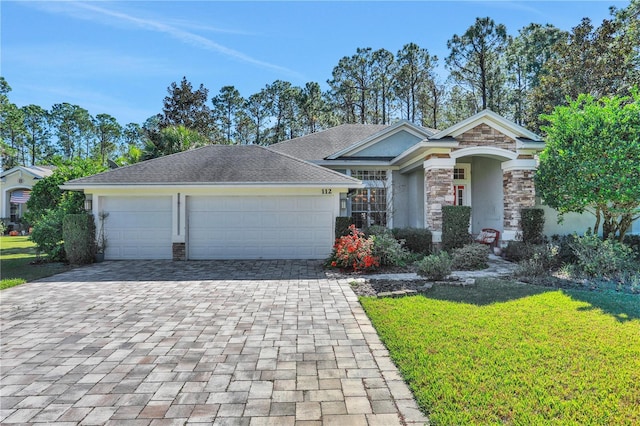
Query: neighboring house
column 222, row 202
column 15, row 187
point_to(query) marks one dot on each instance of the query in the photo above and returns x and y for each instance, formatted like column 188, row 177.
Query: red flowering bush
column 354, row 251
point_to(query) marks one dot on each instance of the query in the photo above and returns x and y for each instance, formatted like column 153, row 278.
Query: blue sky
column 119, row 57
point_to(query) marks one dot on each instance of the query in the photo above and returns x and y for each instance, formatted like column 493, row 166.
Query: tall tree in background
column 603, row 61
column 73, row 127
column 12, row 130
column 36, row 122
column 526, row 54
column 109, row 132
column 312, row 107
column 283, row 107
column 383, row 69
column 173, row 139
column 352, row 84
column 414, row 71
column 431, row 102
column 187, row 107
column 226, row 106
column 475, row 62
column 256, row 114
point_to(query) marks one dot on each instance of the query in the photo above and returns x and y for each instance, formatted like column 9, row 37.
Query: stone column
column 438, row 187
column 519, row 192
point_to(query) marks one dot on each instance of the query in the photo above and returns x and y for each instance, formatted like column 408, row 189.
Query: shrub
column 455, row 226
column 542, row 259
column 342, row 225
column 3, row 225
column 435, row 266
column 354, row 251
column 390, row 251
column 79, row 235
column 47, row 234
column 532, row 224
column 565, row 253
column 416, row 240
column 633, row 242
column 471, row 257
column 517, row 251
column 602, row 258
column 376, row 230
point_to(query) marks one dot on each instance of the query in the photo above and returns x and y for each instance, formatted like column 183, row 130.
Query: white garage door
column 137, row 227
column 260, row 227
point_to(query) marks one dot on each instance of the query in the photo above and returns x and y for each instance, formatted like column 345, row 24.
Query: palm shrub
column 435, row 266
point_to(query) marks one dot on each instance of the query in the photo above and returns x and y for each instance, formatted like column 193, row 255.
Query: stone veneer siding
column 179, row 251
column 438, row 184
column 519, row 192
column 483, row 135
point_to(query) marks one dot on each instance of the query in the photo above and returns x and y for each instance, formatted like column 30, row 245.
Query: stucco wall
column 391, row 146
column 573, row 222
column 486, row 194
column 401, row 204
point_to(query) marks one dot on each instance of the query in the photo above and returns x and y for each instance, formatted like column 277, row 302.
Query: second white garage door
column 260, row 227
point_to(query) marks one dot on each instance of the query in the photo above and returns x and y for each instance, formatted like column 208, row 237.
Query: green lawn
column 17, row 255
column 504, row 352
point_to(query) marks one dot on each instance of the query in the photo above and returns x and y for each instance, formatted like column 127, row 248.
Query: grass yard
column 511, row 353
column 16, row 257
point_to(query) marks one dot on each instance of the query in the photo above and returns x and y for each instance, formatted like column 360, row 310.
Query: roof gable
column 491, row 119
column 37, row 172
column 219, row 165
column 387, row 143
column 320, row 145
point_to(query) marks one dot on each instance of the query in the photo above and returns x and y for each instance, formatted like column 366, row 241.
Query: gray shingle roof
column 320, row 145
column 220, row 164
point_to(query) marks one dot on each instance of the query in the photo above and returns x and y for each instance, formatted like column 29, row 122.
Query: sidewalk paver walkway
column 220, row 342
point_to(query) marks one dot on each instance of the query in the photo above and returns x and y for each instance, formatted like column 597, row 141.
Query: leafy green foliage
column 19, row 260
column 171, row 140
column 49, row 204
column 47, row 234
column 455, row 226
column 79, row 235
column 471, row 257
column 603, row 258
column 590, row 162
column 507, row 353
column 435, row 266
column 532, row 225
column 416, row 240
column 390, row 251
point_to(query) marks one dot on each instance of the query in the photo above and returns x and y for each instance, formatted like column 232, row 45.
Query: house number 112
column 326, row 191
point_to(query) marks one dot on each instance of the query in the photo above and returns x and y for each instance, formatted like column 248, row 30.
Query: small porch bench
column 488, row 236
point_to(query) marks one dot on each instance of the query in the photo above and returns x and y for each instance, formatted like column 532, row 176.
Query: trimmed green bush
column 376, row 230
column 390, row 251
column 455, row 226
column 633, row 242
column 532, row 225
column 435, row 266
column 342, row 225
column 416, row 240
column 79, row 234
column 471, row 257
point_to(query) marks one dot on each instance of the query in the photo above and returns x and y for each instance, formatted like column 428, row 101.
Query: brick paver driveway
column 267, row 342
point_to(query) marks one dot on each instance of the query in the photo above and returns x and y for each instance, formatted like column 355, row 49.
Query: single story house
column 15, row 190
column 221, row 202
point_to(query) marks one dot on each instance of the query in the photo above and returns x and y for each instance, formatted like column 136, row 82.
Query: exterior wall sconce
column 343, row 204
column 88, row 204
